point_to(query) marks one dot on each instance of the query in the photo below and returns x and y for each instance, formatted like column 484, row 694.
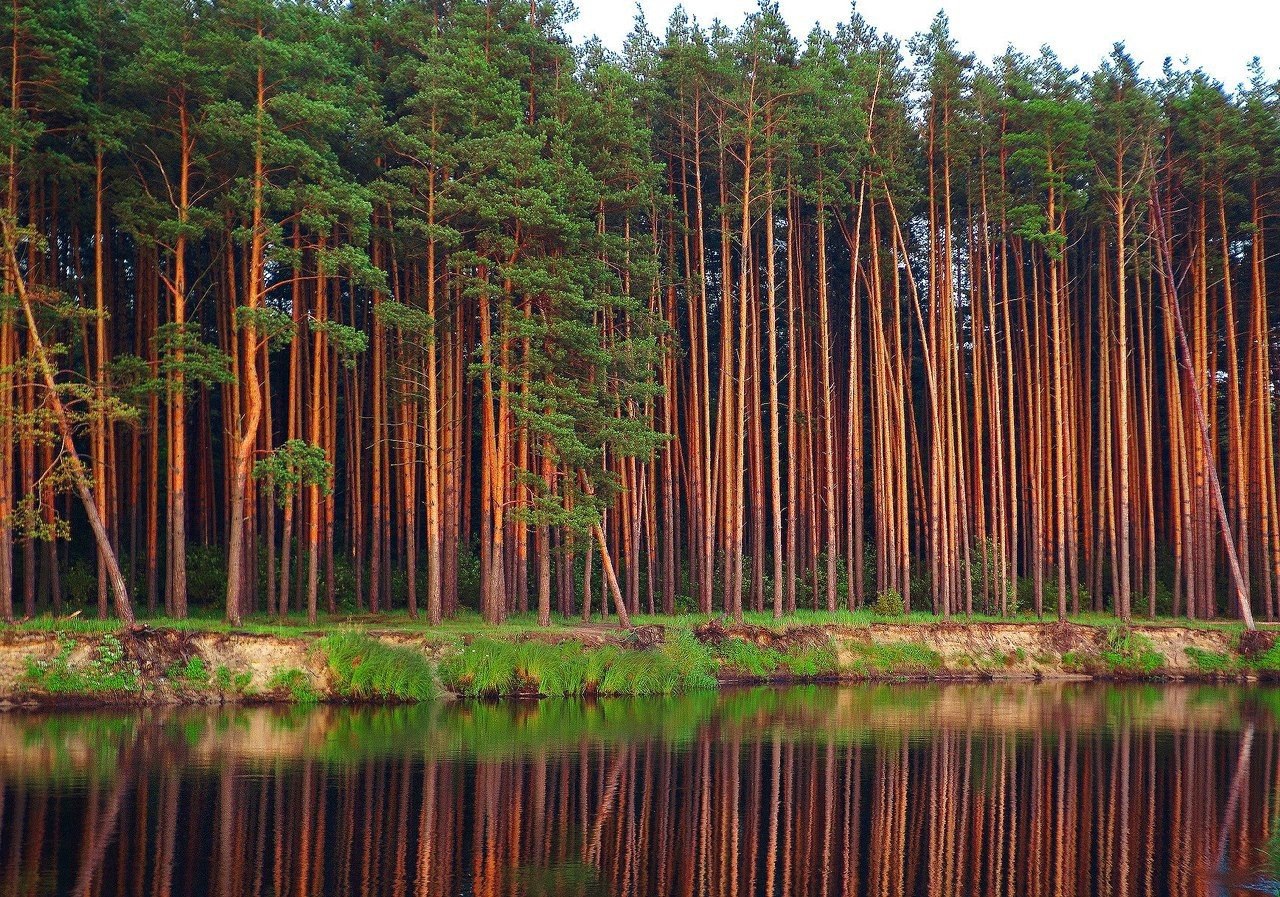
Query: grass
column 1125, row 653
column 296, row 683
column 364, row 667
column 894, row 659
column 193, row 673
column 748, row 658
column 488, row 667
column 106, row 671
column 1130, row 652
column 1209, row 661
column 232, row 683
column 468, row 623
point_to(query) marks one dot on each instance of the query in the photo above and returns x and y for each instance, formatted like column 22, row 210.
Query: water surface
column 877, row 790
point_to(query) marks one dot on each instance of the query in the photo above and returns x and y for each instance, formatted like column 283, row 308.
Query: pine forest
column 415, row 306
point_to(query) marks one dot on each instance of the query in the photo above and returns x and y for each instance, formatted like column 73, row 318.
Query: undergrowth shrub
column 811, row 662
column 193, row 673
column 888, row 603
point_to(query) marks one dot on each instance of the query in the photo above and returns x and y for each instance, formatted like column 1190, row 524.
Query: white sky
column 1220, row 35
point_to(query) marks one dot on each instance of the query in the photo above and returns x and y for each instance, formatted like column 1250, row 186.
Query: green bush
column 238, row 684
column 80, row 583
column 888, row 603
column 364, row 667
column 232, row 685
column 206, row 575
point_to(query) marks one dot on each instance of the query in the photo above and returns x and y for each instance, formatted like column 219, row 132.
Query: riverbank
column 82, row 664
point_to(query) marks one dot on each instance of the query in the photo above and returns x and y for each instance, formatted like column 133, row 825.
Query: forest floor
column 390, row 658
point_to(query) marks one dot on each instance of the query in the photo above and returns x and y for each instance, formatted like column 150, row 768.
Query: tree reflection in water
column 992, row 790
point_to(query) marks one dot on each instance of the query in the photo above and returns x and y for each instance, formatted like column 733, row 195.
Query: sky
column 1221, row 35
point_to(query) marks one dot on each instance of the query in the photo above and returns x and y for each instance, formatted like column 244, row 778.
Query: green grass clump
column 192, row 673
column 696, row 661
column 812, row 662
column 484, row 667
column 749, row 659
column 488, row 668
column 1267, row 661
column 296, row 683
column 225, row 681
column 1209, row 661
column 1127, row 651
column 107, row 670
column 364, row 667
column 560, row 670
column 679, row 665
column 893, row 658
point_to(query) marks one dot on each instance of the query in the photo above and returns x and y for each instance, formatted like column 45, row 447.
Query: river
column 993, row 789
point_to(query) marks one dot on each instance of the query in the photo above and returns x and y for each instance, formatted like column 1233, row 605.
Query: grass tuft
column 1209, row 661
column 1127, row 651
column 487, row 668
column 749, row 659
column 364, row 667
column 812, row 662
column 296, row 683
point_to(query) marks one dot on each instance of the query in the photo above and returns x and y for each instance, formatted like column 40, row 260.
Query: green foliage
column 193, row 672
column 106, row 671
column 490, row 667
column 1209, row 661
column 269, row 325
column 294, row 466
column 226, row 682
column 748, row 658
column 80, row 583
column 811, row 662
column 1127, row 651
column 206, row 575
column 183, row 352
column 1268, row 661
column 483, row 667
column 888, row 603
column 892, row 658
column 347, row 341
column 296, row 683
column 641, row 673
column 364, row 667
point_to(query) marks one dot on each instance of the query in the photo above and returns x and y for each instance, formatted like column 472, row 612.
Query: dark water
column 983, row 790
